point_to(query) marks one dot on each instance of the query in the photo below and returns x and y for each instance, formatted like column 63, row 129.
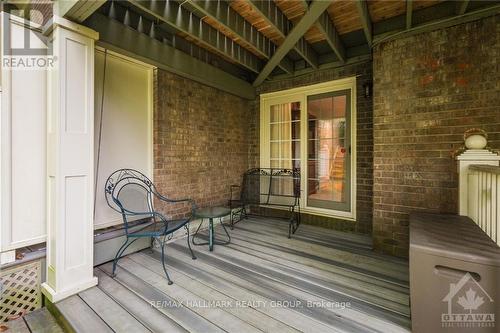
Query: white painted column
column 70, row 174
column 467, row 158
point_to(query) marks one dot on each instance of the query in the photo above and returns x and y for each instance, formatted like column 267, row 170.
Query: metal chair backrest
column 130, row 193
column 271, row 186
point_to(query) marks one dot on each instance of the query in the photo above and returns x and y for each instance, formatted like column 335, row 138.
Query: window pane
column 275, row 150
column 296, row 130
column 275, row 164
column 276, row 113
column 325, row 128
column 286, row 150
column 284, row 135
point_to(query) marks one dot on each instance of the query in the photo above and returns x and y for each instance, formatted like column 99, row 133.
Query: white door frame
column 300, row 95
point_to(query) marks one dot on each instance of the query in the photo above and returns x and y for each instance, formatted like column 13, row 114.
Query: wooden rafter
column 314, row 12
column 409, row 13
column 462, row 7
column 275, row 18
column 221, row 12
column 326, row 27
column 126, row 40
column 235, row 39
column 182, row 20
column 442, row 23
column 365, row 20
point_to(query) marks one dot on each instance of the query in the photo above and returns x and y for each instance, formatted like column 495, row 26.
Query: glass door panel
column 284, row 141
column 328, row 150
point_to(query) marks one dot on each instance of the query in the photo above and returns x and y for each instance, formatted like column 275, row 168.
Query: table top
column 212, row 212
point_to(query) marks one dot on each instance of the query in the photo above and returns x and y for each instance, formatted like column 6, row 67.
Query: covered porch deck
column 319, row 281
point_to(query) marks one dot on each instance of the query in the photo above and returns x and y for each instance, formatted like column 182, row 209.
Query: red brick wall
column 200, row 140
column 428, row 90
column 364, row 170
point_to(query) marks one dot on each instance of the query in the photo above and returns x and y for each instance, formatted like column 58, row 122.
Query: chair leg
column 163, row 261
column 152, row 246
column 189, row 244
column 225, row 230
column 119, row 254
column 290, row 225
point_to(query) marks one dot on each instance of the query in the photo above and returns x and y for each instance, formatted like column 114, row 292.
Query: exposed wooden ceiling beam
column 123, row 39
column 438, row 24
column 275, row 18
column 311, row 16
column 409, row 13
column 462, row 7
column 326, row 27
column 226, row 16
column 365, row 20
column 182, row 20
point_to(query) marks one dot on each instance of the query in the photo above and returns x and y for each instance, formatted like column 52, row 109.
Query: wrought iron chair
column 131, row 193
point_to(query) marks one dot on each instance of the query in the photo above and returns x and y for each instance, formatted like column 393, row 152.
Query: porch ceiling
column 241, row 37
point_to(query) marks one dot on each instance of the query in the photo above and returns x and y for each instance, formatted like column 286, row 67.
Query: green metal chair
column 131, row 193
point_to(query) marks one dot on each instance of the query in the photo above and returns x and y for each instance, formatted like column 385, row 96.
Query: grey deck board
column 311, row 262
column 366, row 260
column 117, row 318
column 17, row 326
column 286, row 288
column 167, row 305
column 312, row 232
column 381, row 296
column 331, row 273
column 41, row 321
column 377, row 268
column 139, row 308
column 260, row 268
column 216, row 315
column 80, row 316
column 251, row 315
column 253, row 293
column 330, row 238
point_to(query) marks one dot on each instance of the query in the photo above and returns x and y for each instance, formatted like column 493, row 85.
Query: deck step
column 38, row 321
column 79, row 317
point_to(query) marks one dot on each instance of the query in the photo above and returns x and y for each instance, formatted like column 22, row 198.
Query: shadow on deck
column 318, row 281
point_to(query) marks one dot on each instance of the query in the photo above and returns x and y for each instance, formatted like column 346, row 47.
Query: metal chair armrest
column 193, row 204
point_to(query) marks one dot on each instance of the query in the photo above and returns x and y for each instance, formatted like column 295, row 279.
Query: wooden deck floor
column 318, row 281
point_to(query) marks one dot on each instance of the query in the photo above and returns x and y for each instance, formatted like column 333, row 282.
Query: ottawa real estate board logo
column 469, row 305
column 24, row 45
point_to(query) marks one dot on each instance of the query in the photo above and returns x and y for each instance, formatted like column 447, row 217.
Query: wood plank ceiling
column 241, row 37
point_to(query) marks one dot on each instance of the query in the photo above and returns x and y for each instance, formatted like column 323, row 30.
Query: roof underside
column 255, row 40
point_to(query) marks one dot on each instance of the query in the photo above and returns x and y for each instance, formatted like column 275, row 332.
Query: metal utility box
column 454, row 275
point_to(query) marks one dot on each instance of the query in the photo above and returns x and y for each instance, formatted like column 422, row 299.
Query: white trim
column 58, row 21
column 124, row 57
column 300, row 95
column 7, row 257
column 56, row 296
